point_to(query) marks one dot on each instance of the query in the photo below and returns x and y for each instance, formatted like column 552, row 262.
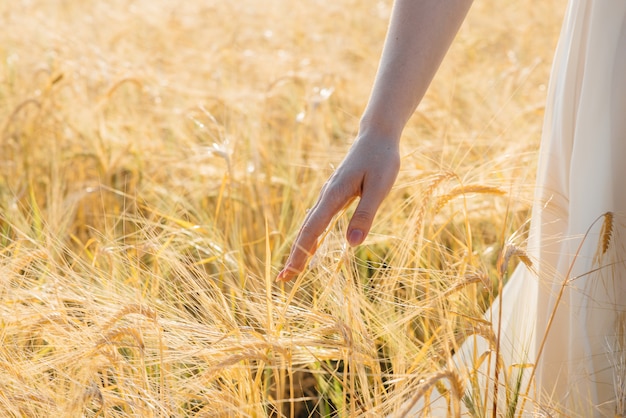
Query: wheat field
column 156, row 160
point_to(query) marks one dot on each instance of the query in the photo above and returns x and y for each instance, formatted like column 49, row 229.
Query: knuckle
column 336, row 191
column 362, row 217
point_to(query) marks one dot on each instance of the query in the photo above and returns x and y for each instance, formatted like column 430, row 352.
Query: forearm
column 419, row 35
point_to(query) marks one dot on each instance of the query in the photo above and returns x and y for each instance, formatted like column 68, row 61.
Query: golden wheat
column 156, row 160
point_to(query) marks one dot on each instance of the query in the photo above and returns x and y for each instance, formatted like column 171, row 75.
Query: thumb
column 362, row 219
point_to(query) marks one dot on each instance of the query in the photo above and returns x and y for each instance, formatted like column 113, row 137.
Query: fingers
column 315, row 223
column 364, row 214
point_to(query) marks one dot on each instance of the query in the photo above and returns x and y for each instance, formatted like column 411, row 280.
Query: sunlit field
column 156, row 160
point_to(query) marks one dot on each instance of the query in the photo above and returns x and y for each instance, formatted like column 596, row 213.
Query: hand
column 368, row 171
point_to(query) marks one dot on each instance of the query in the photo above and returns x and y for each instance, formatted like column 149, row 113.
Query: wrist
column 381, row 128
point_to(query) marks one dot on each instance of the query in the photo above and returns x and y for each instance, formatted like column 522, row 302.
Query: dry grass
column 156, row 160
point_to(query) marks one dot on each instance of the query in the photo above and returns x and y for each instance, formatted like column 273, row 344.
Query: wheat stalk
column 456, row 386
column 463, row 190
column 606, row 232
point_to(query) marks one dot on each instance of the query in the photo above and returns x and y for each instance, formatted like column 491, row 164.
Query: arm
column 419, row 35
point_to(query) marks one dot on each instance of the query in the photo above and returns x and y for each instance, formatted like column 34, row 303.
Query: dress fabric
column 580, row 250
column 566, row 313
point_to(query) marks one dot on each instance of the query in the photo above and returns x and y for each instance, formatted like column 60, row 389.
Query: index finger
column 315, row 223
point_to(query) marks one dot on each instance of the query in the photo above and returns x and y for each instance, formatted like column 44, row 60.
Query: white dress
column 579, row 264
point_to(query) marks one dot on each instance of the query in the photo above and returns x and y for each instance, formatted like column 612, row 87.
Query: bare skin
column 420, row 33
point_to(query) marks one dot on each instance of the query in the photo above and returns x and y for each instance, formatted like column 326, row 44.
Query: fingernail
column 281, row 276
column 355, row 237
column 284, row 275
